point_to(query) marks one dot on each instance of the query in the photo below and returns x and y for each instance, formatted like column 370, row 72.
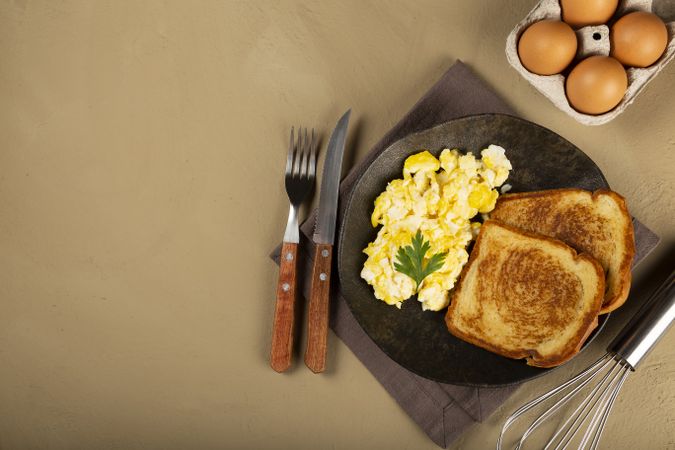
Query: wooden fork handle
column 317, row 327
column 284, row 311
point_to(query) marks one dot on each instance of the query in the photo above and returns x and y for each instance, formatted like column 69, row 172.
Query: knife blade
column 324, row 235
column 324, row 231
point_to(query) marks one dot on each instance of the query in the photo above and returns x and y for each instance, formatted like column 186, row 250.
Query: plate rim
column 602, row 321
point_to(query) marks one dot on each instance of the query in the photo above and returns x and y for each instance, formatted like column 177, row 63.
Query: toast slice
column 523, row 295
column 596, row 223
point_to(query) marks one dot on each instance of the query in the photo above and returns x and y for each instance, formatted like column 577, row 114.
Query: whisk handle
column 648, row 325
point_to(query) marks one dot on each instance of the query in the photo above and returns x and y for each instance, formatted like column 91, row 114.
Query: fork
column 299, row 180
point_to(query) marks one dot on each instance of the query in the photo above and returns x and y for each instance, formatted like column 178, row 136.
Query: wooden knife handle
column 317, row 327
column 284, row 311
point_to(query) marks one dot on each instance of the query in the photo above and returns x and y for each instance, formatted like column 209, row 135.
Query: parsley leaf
column 410, row 260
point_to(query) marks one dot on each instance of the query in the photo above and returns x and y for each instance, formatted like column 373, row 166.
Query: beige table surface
column 141, row 189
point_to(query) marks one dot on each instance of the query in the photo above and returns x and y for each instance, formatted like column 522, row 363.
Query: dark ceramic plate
column 419, row 340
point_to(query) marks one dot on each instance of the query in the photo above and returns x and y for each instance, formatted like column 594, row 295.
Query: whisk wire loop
column 596, row 404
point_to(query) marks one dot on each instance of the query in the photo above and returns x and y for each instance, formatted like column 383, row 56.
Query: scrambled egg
column 441, row 205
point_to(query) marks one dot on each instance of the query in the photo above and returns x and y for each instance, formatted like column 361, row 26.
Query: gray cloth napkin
column 443, row 411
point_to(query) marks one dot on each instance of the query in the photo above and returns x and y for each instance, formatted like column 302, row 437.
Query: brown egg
column 580, row 13
column 638, row 39
column 596, row 85
column 547, row 47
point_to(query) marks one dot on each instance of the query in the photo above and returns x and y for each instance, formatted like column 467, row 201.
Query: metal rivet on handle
column 289, row 256
column 322, row 276
column 286, row 287
column 324, row 253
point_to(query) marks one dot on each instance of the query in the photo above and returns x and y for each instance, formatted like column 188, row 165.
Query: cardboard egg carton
column 592, row 40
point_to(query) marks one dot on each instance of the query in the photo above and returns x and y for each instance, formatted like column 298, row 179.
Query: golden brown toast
column 523, row 295
column 596, row 223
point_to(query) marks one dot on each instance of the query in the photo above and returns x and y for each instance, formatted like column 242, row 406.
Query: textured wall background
column 141, row 189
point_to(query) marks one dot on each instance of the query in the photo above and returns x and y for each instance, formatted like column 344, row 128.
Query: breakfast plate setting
column 515, row 300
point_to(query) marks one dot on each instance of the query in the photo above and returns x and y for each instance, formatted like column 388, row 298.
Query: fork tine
column 312, row 157
column 289, row 158
column 298, row 150
column 309, row 155
column 305, row 157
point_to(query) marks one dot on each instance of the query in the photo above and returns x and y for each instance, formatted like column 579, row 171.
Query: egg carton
column 593, row 40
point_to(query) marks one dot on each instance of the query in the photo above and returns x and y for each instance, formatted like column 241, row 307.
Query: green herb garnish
column 411, row 261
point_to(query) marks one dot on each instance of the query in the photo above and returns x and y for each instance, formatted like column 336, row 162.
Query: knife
column 324, row 234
